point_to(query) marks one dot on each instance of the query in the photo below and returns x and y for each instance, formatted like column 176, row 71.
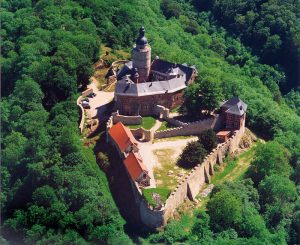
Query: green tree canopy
column 192, row 155
column 208, row 139
column 203, row 95
column 225, row 210
column 271, row 158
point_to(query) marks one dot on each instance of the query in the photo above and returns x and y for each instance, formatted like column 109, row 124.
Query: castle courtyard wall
column 187, row 129
column 189, row 187
column 192, row 183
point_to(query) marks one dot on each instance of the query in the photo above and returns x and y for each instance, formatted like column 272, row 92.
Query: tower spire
column 141, row 41
column 141, row 57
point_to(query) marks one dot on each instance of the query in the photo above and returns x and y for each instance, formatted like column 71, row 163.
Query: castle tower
column 141, row 56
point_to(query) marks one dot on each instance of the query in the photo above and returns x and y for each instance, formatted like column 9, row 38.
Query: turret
column 141, row 56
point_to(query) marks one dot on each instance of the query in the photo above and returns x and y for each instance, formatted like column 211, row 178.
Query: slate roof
column 126, row 70
column 128, row 87
column 122, row 136
column 125, row 86
column 164, row 66
column 235, row 106
column 141, row 40
column 135, row 166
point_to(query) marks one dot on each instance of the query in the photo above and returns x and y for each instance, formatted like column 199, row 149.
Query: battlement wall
column 186, row 129
column 189, row 187
column 193, row 182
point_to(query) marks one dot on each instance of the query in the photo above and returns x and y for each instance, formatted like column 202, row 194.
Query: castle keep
column 142, row 84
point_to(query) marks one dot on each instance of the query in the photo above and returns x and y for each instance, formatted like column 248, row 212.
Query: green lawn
column 163, row 193
column 148, row 123
column 235, row 169
column 165, row 125
column 219, row 175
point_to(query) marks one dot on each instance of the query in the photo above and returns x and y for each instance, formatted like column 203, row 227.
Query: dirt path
column 157, row 125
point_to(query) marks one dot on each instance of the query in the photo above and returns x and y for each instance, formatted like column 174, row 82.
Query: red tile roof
column 223, row 133
column 122, row 136
column 134, row 165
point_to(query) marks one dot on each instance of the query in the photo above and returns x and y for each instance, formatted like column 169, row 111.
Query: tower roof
column 141, row 40
column 235, row 106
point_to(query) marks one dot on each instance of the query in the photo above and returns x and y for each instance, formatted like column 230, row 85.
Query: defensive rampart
column 190, row 185
column 175, row 122
column 194, row 128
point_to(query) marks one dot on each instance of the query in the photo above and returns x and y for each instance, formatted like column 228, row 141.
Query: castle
column 142, row 84
column 146, row 87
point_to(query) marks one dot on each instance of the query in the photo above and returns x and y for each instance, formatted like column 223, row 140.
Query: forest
column 52, row 190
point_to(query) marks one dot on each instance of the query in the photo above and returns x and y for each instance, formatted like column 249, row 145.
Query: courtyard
column 160, row 159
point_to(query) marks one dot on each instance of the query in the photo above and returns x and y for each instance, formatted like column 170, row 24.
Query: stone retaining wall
column 82, row 115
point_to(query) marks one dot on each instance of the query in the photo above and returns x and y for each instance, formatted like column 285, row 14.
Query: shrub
column 191, row 155
column 208, row 139
column 103, row 160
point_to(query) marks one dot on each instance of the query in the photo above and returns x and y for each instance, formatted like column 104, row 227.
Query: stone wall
column 186, row 129
column 161, row 111
column 175, row 122
column 82, row 115
column 164, row 113
column 147, row 215
column 142, row 134
column 127, row 120
column 190, row 185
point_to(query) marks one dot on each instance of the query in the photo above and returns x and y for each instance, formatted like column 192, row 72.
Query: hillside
column 270, row 28
column 52, row 189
